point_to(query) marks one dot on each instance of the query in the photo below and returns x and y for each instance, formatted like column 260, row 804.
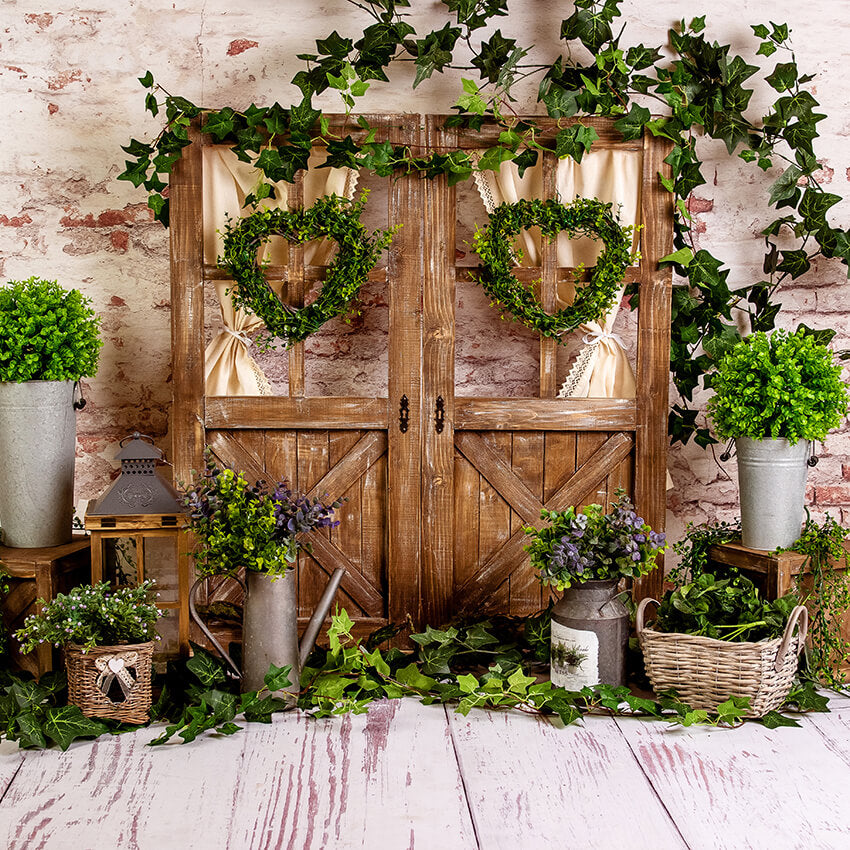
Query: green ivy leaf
column 682, row 258
column 29, row 729
column 493, row 55
column 147, row 80
column 277, row 678
column 575, row 141
column 641, row 57
column 631, row 125
column 204, row 667
column 492, row 158
column 784, row 76
column 785, row 185
column 219, row 124
column 773, row 720
column 796, row 263
column 815, row 205
column 67, row 723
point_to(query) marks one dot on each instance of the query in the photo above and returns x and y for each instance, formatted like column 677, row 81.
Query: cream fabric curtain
column 229, row 368
column 602, row 368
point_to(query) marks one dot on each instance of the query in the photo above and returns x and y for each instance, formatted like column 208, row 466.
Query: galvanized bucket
column 772, row 487
column 37, row 442
column 590, row 626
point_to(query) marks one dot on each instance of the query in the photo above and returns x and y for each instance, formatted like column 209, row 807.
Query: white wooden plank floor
column 409, row 776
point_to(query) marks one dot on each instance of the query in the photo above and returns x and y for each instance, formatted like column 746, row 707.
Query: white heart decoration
column 116, row 664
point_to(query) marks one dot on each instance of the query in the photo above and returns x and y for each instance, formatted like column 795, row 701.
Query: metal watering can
column 270, row 627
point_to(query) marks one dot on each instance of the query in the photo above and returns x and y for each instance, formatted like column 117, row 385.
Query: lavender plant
column 93, row 615
column 238, row 524
column 579, row 546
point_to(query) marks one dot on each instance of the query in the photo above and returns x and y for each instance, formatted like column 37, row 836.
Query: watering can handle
column 193, row 613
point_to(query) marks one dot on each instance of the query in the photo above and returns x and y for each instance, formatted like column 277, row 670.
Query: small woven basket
column 705, row 672
column 111, row 681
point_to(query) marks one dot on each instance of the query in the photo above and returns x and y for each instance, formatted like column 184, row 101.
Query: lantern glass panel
column 120, row 561
column 161, row 565
column 167, row 628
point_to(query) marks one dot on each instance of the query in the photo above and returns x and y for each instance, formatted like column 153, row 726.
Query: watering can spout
column 308, row 639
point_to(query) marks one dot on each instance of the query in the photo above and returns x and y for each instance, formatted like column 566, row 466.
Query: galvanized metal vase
column 772, row 487
column 590, row 627
column 38, row 432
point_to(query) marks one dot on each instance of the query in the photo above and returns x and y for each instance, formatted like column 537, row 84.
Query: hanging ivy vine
column 582, row 217
column 703, row 89
column 330, row 217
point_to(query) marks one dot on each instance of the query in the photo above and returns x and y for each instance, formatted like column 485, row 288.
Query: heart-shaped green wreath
column 582, row 217
column 332, row 217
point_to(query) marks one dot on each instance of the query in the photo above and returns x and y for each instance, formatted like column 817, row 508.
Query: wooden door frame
column 422, row 326
column 644, row 419
column 193, row 413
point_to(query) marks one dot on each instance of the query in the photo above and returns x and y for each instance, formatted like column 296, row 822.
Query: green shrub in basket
column 723, row 608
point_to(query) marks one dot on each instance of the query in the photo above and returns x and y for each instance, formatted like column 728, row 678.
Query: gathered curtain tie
column 113, row 667
column 240, row 335
column 595, row 337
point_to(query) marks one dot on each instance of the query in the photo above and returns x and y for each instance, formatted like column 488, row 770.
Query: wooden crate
column 40, row 574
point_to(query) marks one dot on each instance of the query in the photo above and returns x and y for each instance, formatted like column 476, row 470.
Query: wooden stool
column 40, row 574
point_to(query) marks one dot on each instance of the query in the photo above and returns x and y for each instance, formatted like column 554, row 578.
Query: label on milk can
column 574, row 657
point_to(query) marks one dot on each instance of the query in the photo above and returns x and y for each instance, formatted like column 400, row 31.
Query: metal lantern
column 138, row 532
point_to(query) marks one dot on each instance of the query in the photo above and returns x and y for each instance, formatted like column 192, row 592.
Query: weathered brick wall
column 70, row 99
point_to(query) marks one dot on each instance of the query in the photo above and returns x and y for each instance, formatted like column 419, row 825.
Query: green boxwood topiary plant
column 782, row 385
column 47, row 333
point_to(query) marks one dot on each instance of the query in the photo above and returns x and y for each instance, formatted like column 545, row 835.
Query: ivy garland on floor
column 332, row 217
column 488, row 664
column 702, row 87
column 582, row 217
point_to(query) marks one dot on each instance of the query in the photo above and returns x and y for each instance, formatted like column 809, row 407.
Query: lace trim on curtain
column 578, row 372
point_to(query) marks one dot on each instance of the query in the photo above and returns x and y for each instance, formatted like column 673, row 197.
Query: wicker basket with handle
column 705, row 672
column 111, row 681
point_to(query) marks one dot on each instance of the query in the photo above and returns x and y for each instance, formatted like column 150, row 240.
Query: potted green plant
column 49, row 339
column 585, row 554
column 716, row 638
column 259, row 529
column 775, row 395
column 108, row 638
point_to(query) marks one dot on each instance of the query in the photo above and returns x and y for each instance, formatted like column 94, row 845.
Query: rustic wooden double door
column 438, row 486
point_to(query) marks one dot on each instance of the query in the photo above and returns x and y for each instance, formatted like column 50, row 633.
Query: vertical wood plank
column 438, row 365
column 559, row 461
column 281, row 462
column 295, row 291
column 386, row 779
column 586, row 444
column 549, row 288
column 494, row 522
column 465, row 512
column 404, row 277
column 186, row 241
column 373, row 524
column 527, row 459
column 554, row 772
column 749, row 788
column 312, row 465
column 653, row 351
column 347, row 534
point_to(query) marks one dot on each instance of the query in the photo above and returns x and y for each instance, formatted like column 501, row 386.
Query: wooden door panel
column 505, row 475
column 348, row 464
